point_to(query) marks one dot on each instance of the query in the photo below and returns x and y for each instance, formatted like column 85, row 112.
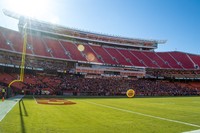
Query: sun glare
column 31, row 8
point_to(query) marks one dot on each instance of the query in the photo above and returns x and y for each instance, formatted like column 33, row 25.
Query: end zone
column 54, row 101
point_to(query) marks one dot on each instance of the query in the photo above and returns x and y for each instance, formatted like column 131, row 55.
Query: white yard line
column 133, row 112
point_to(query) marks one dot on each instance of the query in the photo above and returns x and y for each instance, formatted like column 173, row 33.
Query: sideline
column 8, row 104
column 133, row 112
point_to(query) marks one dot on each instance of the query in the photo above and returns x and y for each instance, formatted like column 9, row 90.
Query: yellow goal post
column 22, row 67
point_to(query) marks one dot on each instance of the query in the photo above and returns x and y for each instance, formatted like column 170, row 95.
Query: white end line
column 35, row 100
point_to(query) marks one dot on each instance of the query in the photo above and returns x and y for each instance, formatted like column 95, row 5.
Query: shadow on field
column 22, row 110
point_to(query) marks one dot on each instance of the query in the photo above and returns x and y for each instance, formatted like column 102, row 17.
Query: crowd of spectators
column 172, row 73
column 78, row 85
column 110, row 86
column 33, row 62
column 70, row 84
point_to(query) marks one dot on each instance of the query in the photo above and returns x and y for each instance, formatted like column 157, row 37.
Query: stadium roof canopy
column 41, row 26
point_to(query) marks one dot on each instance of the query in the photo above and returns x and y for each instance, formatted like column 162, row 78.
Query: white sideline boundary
column 155, row 117
column 8, row 104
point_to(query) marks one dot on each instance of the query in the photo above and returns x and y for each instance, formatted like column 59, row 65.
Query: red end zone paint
column 54, row 101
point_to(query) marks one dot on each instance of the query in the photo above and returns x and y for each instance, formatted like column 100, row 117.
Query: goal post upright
column 22, row 67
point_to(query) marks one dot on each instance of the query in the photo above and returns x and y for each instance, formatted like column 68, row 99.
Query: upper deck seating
column 122, row 60
column 90, row 54
column 51, row 48
column 38, row 46
column 74, row 53
column 154, row 57
column 106, row 57
column 4, row 44
column 195, row 59
column 183, row 59
column 56, row 49
column 169, row 60
column 146, row 60
column 134, row 60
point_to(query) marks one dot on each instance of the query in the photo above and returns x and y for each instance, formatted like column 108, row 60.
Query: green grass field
column 105, row 115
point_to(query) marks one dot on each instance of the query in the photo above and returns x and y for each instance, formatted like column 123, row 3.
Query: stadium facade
column 56, row 49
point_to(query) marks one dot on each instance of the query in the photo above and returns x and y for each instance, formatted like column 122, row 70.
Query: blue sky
column 177, row 21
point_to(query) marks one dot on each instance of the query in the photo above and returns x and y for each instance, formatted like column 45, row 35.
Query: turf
column 104, row 115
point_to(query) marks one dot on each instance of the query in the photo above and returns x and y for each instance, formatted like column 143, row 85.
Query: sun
column 30, row 8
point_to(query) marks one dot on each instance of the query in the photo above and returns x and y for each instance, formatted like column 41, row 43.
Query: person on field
column 3, row 92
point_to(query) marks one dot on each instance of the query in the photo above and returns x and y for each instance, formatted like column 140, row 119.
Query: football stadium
column 58, row 79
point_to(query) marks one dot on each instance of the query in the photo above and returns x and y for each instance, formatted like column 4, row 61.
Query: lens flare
column 81, row 47
column 91, row 57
